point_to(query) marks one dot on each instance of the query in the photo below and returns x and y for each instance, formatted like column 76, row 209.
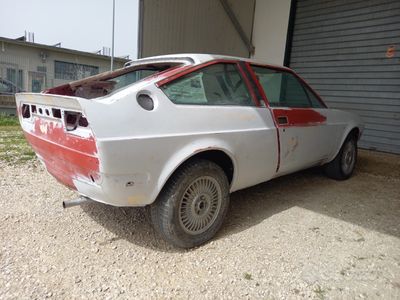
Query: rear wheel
column 192, row 206
column 342, row 167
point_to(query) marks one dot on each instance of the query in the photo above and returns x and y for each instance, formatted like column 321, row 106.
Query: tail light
column 26, row 111
column 74, row 119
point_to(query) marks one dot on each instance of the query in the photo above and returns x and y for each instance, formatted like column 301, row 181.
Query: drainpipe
column 112, row 39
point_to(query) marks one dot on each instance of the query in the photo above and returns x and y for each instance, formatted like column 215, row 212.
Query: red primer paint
column 264, row 97
column 248, row 84
column 64, row 89
column 191, row 68
column 258, row 85
column 66, row 157
column 168, row 73
column 53, row 132
column 299, row 117
column 284, row 69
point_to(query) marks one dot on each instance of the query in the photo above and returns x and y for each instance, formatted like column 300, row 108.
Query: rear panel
column 60, row 135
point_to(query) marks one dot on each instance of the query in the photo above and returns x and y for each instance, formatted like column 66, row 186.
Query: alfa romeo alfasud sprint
column 179, row 133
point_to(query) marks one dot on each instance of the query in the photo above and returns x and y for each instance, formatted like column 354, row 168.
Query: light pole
column 112, row 38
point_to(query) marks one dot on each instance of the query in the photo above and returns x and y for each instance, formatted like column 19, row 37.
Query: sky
column 84, row 25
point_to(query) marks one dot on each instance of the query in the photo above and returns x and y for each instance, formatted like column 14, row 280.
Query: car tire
column 192, row 206
column 342, row 167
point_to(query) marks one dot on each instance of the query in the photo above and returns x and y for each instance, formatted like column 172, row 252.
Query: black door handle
column 282, row 120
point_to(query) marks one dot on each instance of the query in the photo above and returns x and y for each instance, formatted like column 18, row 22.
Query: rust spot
column 293, row 143
column 390, row 52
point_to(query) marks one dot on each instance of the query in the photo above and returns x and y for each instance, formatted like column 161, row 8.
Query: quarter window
column 284, row 89
column 218, row 84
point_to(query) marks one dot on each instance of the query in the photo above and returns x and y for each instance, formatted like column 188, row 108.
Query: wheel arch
column 220, row 155
column 351, row 130
column 217, row 156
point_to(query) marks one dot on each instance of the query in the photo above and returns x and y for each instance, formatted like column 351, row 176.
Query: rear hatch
column 59, row 133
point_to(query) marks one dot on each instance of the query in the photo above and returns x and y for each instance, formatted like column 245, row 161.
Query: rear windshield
column 109, row 82
column 99, row 88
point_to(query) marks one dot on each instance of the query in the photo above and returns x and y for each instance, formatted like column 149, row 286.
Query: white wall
column 270, row 30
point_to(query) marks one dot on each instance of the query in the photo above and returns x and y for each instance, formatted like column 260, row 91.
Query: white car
column 181, row 132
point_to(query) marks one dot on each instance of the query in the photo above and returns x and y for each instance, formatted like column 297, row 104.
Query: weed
column 14, row 149
column 8, row 120
column 315, row 229
column 320, row 292
column 247, row 276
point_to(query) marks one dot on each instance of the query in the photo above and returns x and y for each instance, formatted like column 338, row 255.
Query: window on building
column 37, row 81
column 284, row 89
column 12, row 75
column 218, row 84
column 42, row 69
column 72, row 71
column 20, row 81
column 15, row 77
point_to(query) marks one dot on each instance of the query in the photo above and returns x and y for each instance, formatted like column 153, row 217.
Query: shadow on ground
column 371, row 199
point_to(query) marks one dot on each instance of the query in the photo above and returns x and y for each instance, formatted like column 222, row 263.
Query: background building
column 348, row 50
column 34, row 67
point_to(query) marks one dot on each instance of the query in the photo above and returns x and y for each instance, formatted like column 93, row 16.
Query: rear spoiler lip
column 69, row 102
column 184, row 60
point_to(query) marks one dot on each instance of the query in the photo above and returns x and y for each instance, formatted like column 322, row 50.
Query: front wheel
column 342, row 167
column 192, row 206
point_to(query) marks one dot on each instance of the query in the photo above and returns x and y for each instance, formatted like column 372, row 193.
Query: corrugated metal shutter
column 343, row 48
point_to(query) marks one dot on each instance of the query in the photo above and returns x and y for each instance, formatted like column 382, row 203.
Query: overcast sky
column 78, row 24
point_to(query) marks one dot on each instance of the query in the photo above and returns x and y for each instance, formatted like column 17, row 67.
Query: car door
column 300, row 117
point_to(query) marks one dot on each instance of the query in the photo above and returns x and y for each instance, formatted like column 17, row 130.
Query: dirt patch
column 379, row 163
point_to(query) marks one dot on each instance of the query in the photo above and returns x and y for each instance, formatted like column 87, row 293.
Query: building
column 347, row 50
column 34, row 67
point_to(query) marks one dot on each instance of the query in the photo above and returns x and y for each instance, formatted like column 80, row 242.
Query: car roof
column 196, row 58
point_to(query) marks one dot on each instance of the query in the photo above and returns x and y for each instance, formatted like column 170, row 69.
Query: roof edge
column 60, row 49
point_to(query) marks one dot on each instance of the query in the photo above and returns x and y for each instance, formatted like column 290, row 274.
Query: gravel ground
column 300, row 236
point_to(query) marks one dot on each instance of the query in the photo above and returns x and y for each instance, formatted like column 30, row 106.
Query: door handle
column 282, row 120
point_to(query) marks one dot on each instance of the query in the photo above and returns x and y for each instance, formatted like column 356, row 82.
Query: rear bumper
column 75, row 162
column 80, row 172
column 65, row 164
column 117, row 190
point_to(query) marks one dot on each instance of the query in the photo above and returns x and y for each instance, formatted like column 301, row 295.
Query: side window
column 219, row 84
column 284, row 89
column 314, row 100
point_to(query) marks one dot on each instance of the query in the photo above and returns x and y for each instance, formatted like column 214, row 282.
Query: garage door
column 349, row 51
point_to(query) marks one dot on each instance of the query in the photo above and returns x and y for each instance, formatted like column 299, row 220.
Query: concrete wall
column 270, row 30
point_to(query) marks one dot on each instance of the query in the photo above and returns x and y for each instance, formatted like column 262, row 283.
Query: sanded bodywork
column 125, row 154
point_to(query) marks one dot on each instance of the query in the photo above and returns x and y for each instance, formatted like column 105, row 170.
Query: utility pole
column 112, row 39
